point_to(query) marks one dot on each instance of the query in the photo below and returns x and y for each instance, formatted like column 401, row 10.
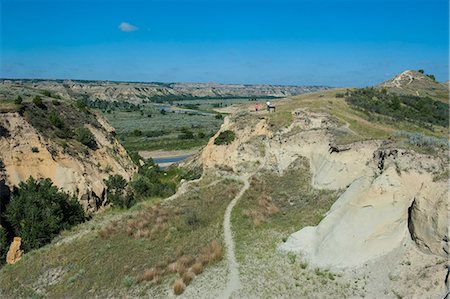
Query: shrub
column 128, row 281
column 179, row 287
column 55, row 120
column 225, row 137
column 56, row 102
column 38, row 102
column 34, row 149
column 18, row 100
column 81, row 105
column 421, row 110
column 84, row 136
column 421, row 140
column 186, row 134
column 38, row 211
column 46, row 93
column 137, row 132
column 219, row 116
column 115, row 185
column 4, row 245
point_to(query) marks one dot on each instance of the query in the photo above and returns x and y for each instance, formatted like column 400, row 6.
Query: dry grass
column 197, row 268
column 178, row 287
column 187, row 277
column 266, row 208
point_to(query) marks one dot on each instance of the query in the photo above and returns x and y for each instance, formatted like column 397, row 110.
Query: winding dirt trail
column 233, row 283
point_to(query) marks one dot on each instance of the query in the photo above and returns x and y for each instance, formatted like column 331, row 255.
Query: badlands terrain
column 341, row 193
column 136, row 92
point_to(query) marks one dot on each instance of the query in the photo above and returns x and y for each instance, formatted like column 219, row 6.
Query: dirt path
column 233, row 283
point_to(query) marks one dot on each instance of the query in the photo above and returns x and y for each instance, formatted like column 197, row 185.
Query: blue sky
column 311, row 42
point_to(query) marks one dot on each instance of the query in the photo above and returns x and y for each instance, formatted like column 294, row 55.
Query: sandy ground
column 167, row 154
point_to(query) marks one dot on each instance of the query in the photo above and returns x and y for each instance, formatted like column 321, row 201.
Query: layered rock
column 381, row 184
column 26, row 153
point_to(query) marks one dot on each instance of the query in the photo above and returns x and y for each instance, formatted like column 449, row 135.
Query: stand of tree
column 419, row 110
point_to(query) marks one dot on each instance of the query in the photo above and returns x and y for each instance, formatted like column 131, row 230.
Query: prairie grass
column 109, row 252
column 178, row 287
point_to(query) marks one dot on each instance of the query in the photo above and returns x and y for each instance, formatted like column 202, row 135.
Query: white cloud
column 127, row 27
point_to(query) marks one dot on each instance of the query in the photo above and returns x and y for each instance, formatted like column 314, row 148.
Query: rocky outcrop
column 428, row 220
column 27, row 153
column 379, row 183
column 14, row 253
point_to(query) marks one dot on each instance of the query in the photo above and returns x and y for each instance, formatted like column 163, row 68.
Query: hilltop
column 336, row 194
column 417, row 83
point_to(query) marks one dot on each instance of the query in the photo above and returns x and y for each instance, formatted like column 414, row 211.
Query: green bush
column 85, row 136
column 38, row 211
column 225, row 137
column 420, row 110
column 151, row 181
column 34, row 149
column 116, row 192
column 46, row 93
column 55, row 120
column 18, row 100
column 38, row 102
column 219, row 116
column 186, row 134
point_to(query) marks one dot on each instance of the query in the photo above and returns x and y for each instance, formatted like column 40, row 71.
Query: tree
column 421, row 71
column 38, row 211
column 432, row 77
column 116, row 192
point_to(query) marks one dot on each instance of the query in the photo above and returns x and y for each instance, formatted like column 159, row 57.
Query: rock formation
column 73, row 173
column 14, row 253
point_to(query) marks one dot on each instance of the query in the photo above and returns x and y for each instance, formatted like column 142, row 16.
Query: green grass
column 298, row 205
column 171, row 123
column 109, row 266
column 366, row 126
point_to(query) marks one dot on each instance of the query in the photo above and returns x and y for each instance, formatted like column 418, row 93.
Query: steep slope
column 415, row 83
column 26, row 150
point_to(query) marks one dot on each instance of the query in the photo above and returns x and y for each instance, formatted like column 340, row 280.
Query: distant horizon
column 191, row 82
column 348, row 43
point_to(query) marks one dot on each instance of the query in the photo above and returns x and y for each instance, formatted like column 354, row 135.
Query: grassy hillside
column 114, row 254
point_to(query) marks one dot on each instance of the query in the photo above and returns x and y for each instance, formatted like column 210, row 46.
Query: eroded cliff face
column 24, row 153
column 389, row 198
